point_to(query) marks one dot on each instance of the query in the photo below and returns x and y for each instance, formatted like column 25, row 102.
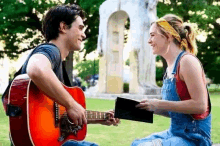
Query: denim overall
column 184, row 130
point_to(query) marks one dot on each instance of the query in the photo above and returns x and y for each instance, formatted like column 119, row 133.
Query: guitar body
column 36, row 123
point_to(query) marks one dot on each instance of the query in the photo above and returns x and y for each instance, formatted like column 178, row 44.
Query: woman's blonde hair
column 185, row 31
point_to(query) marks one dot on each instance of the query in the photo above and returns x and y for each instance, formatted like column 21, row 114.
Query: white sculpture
column 113, row 14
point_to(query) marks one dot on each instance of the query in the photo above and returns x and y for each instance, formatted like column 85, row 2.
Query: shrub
column 159, row 83
column 126, row 88
column 87, row 68
column 159, row 73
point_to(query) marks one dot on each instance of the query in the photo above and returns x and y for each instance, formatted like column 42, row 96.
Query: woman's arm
column 162, row 113
column 152, row 105
column 191, row 72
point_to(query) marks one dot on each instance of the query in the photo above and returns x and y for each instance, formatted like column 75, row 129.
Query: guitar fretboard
column 94, row 115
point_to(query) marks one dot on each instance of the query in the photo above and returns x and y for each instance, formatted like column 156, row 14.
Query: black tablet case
column 125, row 109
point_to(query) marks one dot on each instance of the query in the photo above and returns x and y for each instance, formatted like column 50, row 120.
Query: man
column 64, row 32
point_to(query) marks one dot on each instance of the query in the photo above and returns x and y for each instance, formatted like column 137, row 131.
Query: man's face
column 75, row 34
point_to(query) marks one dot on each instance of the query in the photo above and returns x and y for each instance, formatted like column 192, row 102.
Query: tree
column 87, row 68
column 91, row 7
column 20, row 22
column 23, row 17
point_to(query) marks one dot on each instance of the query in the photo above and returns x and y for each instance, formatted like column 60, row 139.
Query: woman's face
column 157, row 40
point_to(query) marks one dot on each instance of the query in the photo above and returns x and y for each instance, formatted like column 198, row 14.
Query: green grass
column 4, row 131
column 214, row 88
column 215, row 100
column 127, row 131
column 123, row 134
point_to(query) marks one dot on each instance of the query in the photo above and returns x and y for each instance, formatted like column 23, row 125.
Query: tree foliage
column 205, row 13
column 20, row 22
column 87, row 68
column 91, row 7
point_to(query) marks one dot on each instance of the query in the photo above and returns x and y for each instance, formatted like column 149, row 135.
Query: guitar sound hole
column 62, row 126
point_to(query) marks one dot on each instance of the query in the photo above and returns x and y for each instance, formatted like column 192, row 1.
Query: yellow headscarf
column 168, row 28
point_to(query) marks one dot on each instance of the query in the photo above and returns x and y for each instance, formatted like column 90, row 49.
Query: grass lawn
column 127, row 131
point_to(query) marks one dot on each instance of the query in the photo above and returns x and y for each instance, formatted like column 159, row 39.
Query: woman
column 185, row 97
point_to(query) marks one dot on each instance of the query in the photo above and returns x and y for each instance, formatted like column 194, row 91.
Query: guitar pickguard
column 67, row 128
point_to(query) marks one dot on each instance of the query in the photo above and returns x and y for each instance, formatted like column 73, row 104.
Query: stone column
column 115, row 47
column 4, row 74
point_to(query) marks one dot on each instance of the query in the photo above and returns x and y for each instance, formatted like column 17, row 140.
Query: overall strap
column 177, row 62
column 175, row 65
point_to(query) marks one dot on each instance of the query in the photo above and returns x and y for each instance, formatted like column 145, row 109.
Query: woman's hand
column 149, row 104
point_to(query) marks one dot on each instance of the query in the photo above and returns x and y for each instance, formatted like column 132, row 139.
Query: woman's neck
column 171, row 54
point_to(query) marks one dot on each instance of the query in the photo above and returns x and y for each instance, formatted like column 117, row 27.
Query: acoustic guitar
column 39, row 120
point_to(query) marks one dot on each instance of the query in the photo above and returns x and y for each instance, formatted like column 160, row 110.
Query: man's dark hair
column 63, row 13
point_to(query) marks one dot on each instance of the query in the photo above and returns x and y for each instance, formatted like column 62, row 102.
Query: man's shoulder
column 47, row 45
column 48, row 48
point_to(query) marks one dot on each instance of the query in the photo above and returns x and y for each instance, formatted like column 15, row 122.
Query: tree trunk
column 69, row 66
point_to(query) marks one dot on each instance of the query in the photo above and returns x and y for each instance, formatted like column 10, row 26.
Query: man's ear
column 63, row 27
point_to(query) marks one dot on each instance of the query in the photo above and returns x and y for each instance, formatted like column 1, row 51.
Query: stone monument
column 4, row 74
column 113, row 15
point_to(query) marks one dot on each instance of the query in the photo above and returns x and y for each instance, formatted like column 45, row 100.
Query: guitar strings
column 91, row 115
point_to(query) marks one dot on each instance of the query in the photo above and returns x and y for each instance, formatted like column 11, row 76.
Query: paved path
column 216, row 145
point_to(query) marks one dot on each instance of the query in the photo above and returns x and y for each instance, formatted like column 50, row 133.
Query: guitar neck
column 96, row 116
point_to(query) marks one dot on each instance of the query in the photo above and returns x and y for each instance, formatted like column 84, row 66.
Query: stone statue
column 142, row 61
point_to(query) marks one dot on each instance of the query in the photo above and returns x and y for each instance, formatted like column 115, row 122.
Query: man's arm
column 40, row 71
